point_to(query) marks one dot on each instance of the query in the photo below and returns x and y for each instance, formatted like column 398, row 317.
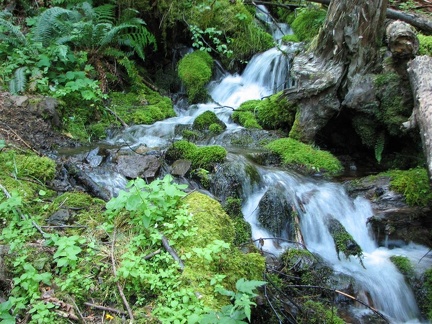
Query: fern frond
column 379, row 146
column 54, row 22
column 12, row 33
column 18, row 83
column 105, row 14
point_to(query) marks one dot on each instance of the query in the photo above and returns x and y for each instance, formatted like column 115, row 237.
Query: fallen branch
column 117, row 116
column 151, row 255
column 19, row 138
column 86, row 181
column 171, row 251
column 119, row 287
column 105, row 308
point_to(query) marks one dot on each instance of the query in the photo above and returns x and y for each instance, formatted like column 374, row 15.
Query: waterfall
column 315, row 201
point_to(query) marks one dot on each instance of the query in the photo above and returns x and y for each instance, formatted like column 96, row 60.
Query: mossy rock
column 27, row 165
column 425, row 45
column 212, row 224
column 274, row 112
column 344, row 242
column 195, row 70
column 305, row 157
column 205, row 157
column 208, row 121
column 413, row 184
column 143, row 107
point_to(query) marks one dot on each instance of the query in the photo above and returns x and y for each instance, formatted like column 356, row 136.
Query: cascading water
column 315, row 201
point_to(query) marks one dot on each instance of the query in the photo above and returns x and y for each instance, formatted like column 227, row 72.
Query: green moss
column 427, row 284
column 413, row 184
column 243, row 231
column 246, row 119
column 404, row 266
column 143, row 107
column 207, row 119
column 195, row 70
column 213, row 223
column 394, row 108
column 205, row 157
column 190, row 135
column 367, row 128
column 27, row 165
column 317, row 313
column 308, row 158
column 308, row 22
column 216, row 129
column 425, row 44
column 274, row 112
column 290, row 39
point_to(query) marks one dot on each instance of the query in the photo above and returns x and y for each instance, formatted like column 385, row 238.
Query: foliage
column 290, row 38
column 242, row 307
column 307, row 23
column 79, row 265
column 305, row 157
column 205, row 157
column 71, row 51
column 425, row 44
column 413, row 184
column 195, row 70
column 427, row 283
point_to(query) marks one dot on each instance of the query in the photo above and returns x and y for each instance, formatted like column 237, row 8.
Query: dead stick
column 119, row 287
column 105, row 308
column 151, row 255
column 171, row 251
column 117, row 116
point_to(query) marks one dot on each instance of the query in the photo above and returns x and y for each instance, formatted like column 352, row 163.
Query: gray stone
column 180, row 167
column 135, row 166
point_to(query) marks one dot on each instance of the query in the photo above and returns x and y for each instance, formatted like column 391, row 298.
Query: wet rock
column 93, row 158
column 60, row 217
column 276, row 213
column 180, row 167
column 135, row 166
column 393, row 220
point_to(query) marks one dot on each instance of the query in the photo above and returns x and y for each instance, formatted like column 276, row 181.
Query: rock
column 180, row 167
column 135, row 166
column 93, row 158
column 60, row 217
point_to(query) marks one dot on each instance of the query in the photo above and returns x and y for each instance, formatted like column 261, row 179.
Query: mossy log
column 420, row 75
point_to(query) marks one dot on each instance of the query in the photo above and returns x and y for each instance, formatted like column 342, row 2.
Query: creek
column 377, row 282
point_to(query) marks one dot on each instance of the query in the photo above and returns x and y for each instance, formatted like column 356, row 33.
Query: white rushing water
column 267, row 74
column 315, row 201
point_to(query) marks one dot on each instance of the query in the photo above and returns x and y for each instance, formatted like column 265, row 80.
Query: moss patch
column 205, row 157
column 305, row 157
column 413, row 184
column 195, row 70
column 208, row 121
column 307, row 23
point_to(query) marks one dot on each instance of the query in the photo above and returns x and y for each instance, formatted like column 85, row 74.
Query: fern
column 52, row 23
column 18, row 83
column 379, row 146
column 10, row 33
column 105, row 14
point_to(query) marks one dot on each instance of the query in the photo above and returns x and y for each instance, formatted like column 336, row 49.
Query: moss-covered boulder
column 274, row 112
column 195, row 70
column 205, row 157
column 307, row 22
column 305, row 157
column 143, row 107
column 208, row 121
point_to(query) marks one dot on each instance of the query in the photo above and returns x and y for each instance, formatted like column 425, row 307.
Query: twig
column 77, row 309
column 151, row 255
column 19, row 138
column 171, row 251
column 119, row 287
column 105, row 308
column 117, row 116
column 23, row 217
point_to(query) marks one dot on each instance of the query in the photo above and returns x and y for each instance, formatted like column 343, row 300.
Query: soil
column 23, row 126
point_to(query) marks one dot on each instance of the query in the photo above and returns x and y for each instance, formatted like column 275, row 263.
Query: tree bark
column 420, row 74
column 335, row 71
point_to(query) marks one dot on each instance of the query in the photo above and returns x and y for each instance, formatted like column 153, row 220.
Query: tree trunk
column 335, row 72
column 420, row 74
